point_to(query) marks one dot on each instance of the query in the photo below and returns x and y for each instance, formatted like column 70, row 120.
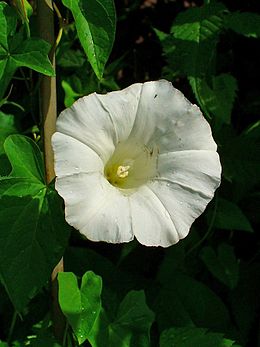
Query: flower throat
column 131, row 165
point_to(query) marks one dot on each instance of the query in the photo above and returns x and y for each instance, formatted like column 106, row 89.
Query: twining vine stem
column 48, row 103
column 48, row 111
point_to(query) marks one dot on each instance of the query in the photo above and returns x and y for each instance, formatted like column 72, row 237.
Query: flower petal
column 88, row 122
column 167, row 119
column 196, row 171
column 186, row 184
column 72, row 156
column 94, row 207
column 122, row 107
column 182, row 207
column 152, row 223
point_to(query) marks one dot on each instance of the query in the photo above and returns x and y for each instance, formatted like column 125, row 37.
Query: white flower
column 140, row 162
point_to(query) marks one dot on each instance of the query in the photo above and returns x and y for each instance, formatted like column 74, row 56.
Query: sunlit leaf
column 70, row 95
column 33, row 53
column 95, row 22
column 25, row 157
column 196, row 30
column 80, row 306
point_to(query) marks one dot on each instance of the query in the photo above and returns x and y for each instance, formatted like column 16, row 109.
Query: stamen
column 122, row 171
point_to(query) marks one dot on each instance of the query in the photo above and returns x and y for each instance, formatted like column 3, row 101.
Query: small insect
column 155, row 96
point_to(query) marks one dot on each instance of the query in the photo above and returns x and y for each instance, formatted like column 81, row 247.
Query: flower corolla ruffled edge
column 140, row 162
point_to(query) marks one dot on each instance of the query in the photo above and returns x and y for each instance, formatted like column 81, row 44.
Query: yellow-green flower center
column 131, row 165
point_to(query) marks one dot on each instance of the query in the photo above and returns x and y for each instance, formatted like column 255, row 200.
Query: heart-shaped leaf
column 80, row 306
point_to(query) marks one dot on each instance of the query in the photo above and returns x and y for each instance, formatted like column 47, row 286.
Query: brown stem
column 48, row 103
column 48, row 110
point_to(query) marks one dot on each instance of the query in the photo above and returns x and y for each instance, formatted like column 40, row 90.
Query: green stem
column 27, row 29
column 11, row 330
column 65, row 335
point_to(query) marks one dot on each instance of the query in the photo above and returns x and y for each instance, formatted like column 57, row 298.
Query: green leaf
column 7, row 23
column 199, row 23
column 241, row 159
column 218, row 99
column 195, row 30
column 134, row 313
column 181, row 290
column 3, row 344
column 174, row 259
column 5, row 167
column 191, row 337
column 99, row 335
column 24, row 9
column 78, row 260
column 95, row 23
column 80, row 306
column 33, row 231
column 7, row 127
column 230, row 217
column 245, row 23
column 33, row 53
column 16, row 52
column 223, row 265
column 25, row 157
column 131, row 327
column 71, row 59
column 70, row 95
column 245, row 300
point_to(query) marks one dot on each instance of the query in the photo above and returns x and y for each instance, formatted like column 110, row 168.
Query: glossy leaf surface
column 33, row 232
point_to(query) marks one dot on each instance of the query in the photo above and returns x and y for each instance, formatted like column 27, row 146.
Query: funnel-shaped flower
column 140, row 162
